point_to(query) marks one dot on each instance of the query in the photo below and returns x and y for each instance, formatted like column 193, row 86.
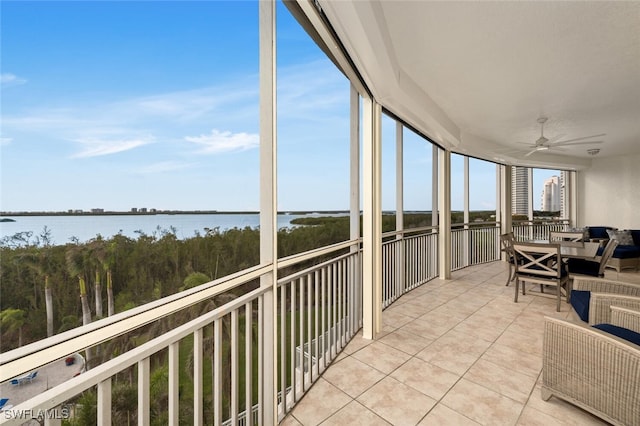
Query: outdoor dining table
column 574, row 249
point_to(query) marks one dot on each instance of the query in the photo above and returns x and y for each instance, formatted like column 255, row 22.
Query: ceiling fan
column 544, row 144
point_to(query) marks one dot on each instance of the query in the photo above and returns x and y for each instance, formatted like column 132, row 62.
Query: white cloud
column 7, row 80
column 5, row 141
column 226, row 141
column 99, row 147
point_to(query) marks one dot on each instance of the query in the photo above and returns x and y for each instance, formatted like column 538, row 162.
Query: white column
column 399, row 179
column 530, row 192
column 444, row 222
column 435, row 187
column 573, row 199
column 505, row 199
column 498, row 193
column 354, row 209
column 466, row 190
column 354, row 155
column 466, row 239
column 372, row 220
column 268, row 205
column 570, row 197
column 400, row 206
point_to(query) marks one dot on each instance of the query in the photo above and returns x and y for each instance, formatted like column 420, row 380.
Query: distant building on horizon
column 550, row 198
column 520, row 190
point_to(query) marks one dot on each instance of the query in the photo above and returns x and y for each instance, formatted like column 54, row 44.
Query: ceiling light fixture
column 593, row 151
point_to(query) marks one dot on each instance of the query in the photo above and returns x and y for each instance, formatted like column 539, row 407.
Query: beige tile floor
column 455, row 352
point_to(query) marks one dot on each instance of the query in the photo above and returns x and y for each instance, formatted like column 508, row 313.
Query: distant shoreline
column 160, row 212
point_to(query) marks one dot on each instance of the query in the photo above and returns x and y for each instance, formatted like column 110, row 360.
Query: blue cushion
column 584, row 267
column 580, row 301
column 599, row 231
column 626, row 252
column 635, row 234
column 623, row 333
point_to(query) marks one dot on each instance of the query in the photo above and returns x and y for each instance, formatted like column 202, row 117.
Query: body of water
column 63, row 228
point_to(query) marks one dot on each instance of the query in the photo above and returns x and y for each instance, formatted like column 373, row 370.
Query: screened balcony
column 420, row 315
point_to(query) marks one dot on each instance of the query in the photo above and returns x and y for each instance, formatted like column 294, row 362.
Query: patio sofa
column 595, row 367
column 627, row 254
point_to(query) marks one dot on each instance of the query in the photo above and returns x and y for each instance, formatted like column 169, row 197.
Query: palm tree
column 48, row 303
column 40, row 262
column 76, row 262
column 97, row 255
column 111, row 310
column 107, row 263
column 12, row 320
column 84, row 299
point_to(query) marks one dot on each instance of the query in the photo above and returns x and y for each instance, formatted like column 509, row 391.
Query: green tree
column 12, row 321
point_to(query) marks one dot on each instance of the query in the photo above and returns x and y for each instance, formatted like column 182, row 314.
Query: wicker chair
column 593, row 369
column 604, row 293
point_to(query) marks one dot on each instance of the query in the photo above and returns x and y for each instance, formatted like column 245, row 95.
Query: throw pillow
column 624, row 237
column 585, row 232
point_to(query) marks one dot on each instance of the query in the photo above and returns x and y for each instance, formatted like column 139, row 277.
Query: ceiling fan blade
column 576, row 143
column 555, row 139
column 584, row 137
column 530, row 152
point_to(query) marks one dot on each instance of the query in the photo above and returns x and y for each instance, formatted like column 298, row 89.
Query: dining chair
column 565, row 236
column 506, row 243
column 539, row 263
column 593, row 268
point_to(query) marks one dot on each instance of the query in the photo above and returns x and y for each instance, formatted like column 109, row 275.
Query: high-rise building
column 563, row 195
column 520, row 190
column 551, row 195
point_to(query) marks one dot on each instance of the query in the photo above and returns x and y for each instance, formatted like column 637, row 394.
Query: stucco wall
column 609, row 193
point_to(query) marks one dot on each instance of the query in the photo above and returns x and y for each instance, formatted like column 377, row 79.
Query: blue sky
column 117, row 105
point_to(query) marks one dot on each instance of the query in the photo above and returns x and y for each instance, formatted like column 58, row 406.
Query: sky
column 117, row 105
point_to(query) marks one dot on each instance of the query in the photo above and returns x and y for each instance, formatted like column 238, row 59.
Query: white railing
column 408, row 262
column 473, row 244
column 319, row 310
column 538, row 230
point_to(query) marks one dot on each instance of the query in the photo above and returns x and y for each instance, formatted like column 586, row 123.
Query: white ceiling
column 475, row 76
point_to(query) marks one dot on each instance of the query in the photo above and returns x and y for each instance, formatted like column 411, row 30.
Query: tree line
column 47, row 289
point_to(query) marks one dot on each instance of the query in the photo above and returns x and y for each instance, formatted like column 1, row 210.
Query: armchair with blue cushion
column 591, row 298
column 596, row 368
column 627, row 254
